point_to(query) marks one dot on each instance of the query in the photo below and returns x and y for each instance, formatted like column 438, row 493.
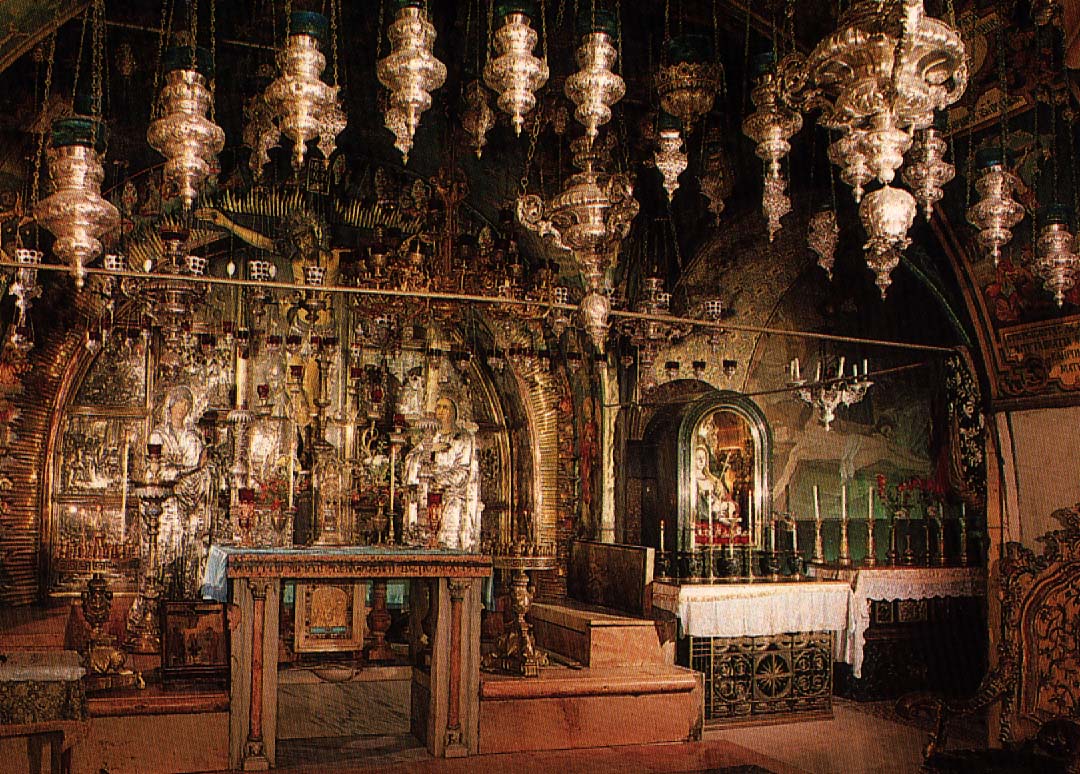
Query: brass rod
column 435, row 295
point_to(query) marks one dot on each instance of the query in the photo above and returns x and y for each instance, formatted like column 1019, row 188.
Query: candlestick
column 845, row 550
column 124, row 491
column 871, row 542
column 892, row 555
column 818, row 545
column 661, row 536
column 292, row 474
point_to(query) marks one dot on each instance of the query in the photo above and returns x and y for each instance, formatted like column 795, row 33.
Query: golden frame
column 329, row 617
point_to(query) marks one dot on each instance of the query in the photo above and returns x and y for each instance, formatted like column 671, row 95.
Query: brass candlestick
column 819, row 550
column 871, row 541
column 844, row 560
column 892, row 555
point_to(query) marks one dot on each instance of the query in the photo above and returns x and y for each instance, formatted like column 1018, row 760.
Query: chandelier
column 1056, row 261
column 75, row 212
column 825, row 397
column 589, row 218
column 183, row 134
column 410, row 71
column 880, row 77
column 594, row 88
column 715, row 180
column 688, row 82
column 669, row 156
column 996, row 212
column 516, row 74
column 770, row 126
column 304, row 106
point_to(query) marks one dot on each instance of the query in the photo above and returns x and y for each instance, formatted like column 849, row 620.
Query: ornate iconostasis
column 304, row 417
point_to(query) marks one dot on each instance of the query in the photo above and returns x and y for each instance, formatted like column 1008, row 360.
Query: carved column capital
column 260, row 587
column 459, row 587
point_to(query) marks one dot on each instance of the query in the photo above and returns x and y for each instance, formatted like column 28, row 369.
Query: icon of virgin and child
column 715, row 483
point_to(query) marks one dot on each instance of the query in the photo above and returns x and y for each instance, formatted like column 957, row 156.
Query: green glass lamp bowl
column 78, row 130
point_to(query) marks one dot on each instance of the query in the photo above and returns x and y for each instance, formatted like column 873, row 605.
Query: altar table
column 446, row 696
column 766, row 648
column 870, row 584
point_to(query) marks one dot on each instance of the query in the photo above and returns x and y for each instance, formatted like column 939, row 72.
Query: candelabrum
column 143, row 631
column 828, row 395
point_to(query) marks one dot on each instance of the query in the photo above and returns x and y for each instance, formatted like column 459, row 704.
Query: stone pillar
column 454, row 746
column 254, row 749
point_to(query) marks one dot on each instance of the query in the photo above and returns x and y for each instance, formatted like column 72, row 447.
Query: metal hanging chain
column 746, row 63
column 193, row 24
column 40, row 156
column 489, row 48
column 523, row 183
column 716, row 51
column 97, row 58
column 560, row 14
column 379, row 36
column 618, row 32
column 789, row 18
column 213, row 60
column 78, row 59
column 667, row 21
column 543, row 30
column 164, row 24
column 333, row 43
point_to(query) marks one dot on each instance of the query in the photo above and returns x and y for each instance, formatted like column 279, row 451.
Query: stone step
column 566, row 709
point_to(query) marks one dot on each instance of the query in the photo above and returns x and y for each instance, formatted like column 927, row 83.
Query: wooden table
column 446, row 693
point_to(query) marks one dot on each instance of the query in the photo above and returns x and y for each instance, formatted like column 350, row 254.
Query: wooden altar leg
column 453, row 713
column 253, row 681
column 446, row 698
column 254, row 750
column 378, row 621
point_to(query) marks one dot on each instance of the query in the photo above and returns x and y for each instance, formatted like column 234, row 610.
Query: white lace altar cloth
column 755, row 609
column 889, row 583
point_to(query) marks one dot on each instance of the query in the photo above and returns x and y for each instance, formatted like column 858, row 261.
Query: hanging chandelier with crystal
column 927, row 170
column 1056, row 262
column 670, row 156
column 589, row 218
column 182, row 132
column 595, row 87
column 410, row 71
column 770, row 126
column 516, row 74
column 304, row 106
column 76, row 213
column 996, row 213
column 879, row 78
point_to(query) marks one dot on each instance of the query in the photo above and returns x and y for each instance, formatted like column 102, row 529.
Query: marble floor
column 859, row 739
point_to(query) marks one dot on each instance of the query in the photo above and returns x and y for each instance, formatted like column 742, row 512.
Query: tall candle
column 661, row 536
column 817, row 374
column 817, row 505
column 840, row 370
column 794, row 535
column 795, row 369
column 843, row 502
column 772, row 535
column 870, row 504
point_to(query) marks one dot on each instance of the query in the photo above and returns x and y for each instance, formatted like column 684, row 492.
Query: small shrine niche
column 703, row 473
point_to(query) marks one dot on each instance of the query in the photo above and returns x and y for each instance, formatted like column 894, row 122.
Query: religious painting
column 194, row 641
column 329, row 617
column 722, row 485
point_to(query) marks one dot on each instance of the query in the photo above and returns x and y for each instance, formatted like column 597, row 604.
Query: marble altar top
column 349, row 562
column 47, row 666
